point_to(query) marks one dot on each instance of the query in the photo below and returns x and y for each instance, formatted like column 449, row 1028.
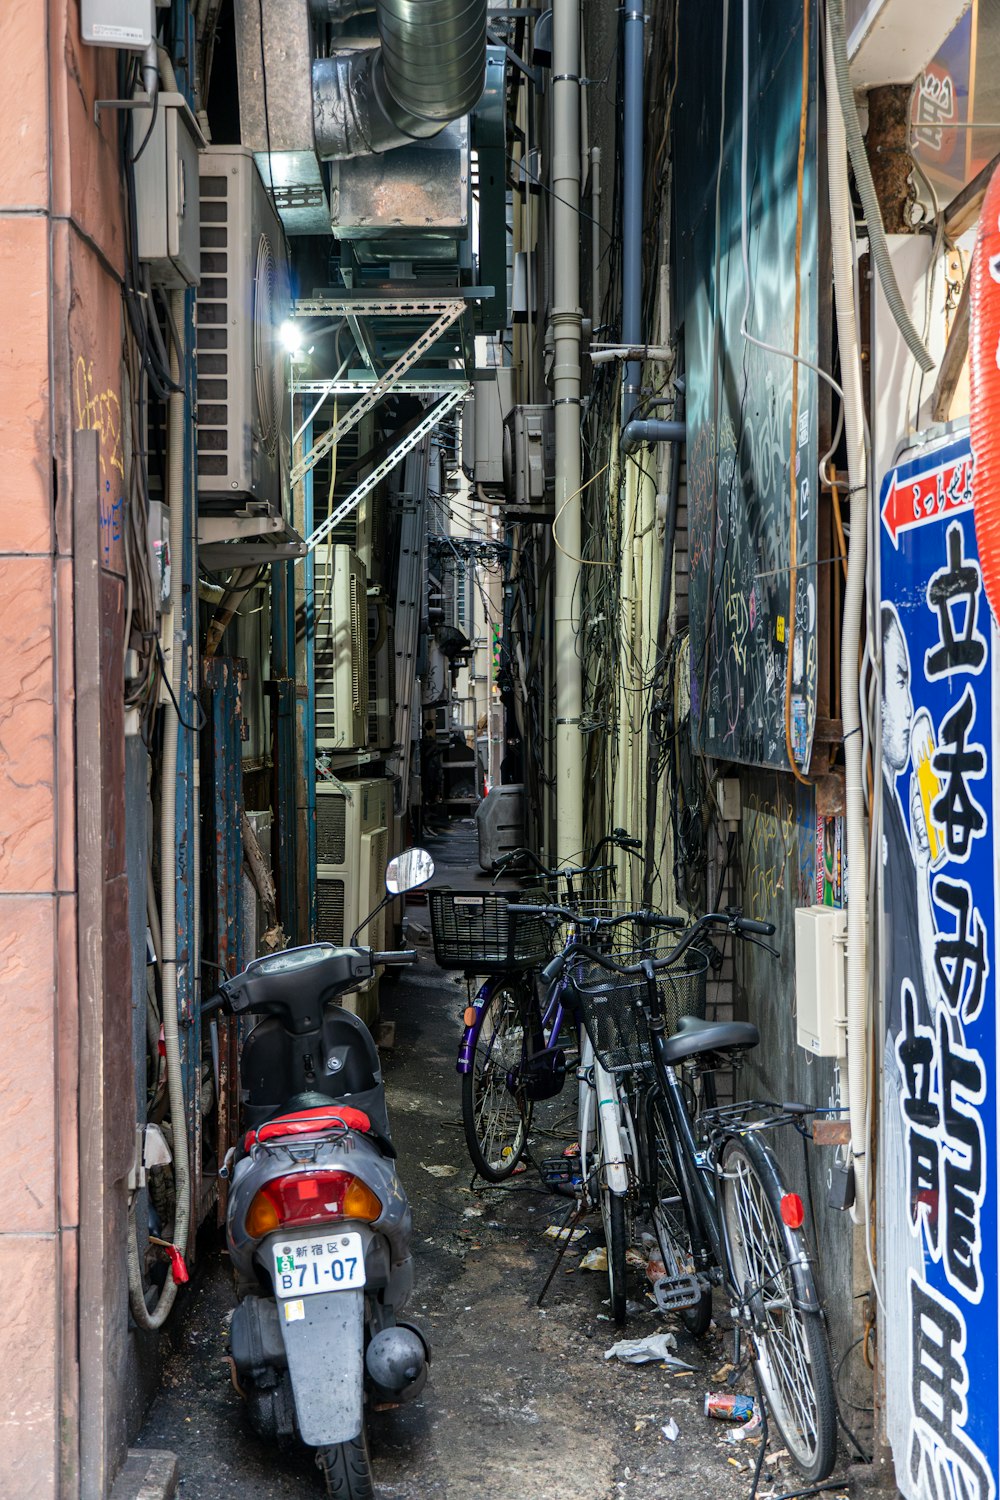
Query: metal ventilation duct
column 428, row 71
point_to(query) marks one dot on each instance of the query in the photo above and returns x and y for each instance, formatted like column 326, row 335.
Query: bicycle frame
column 698, row 1173
column 551, row 1021
column 603, row 1111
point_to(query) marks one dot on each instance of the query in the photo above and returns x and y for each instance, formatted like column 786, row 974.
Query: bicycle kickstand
column 569, row 1224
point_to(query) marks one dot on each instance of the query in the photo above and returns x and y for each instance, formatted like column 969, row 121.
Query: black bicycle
column 712, row 1185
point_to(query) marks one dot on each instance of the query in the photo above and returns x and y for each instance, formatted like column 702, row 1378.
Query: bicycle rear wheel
column 496, row 1118
column 670, row 1223
column 792, row 1360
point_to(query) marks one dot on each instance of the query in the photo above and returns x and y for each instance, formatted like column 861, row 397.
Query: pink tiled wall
column 60, row 340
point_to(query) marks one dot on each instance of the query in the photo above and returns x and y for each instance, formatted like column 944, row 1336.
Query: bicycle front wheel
column 615, row 1216
column 495, row 1112
column 792, row 1358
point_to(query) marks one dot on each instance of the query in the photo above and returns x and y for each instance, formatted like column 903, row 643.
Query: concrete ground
column 521, row 1403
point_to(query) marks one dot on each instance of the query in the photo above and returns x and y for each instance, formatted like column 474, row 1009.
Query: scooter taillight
column 310, row 1198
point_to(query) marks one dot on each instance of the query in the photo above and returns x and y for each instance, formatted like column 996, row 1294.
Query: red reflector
column 792, row 1211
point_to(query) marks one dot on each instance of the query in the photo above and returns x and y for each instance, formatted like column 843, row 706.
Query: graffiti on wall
column 101, row 412
column 749, row 702
column 939, row 932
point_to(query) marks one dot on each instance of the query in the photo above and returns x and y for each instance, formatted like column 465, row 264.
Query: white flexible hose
column 145, row 1316
column 854, row 596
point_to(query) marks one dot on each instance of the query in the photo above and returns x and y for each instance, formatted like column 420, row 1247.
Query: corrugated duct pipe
column 428, row 70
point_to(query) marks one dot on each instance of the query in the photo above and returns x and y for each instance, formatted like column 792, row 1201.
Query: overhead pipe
column 428, row 70
column 634, row 53
column 651, row 430
column 858, row 479
column 566, row 335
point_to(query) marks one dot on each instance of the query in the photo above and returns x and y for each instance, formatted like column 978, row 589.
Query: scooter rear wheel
column 347, row 1470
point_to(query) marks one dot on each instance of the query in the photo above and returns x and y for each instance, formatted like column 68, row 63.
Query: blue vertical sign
column 938, row 1204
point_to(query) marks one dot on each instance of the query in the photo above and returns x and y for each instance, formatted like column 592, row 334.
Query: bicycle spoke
column 767, row 1287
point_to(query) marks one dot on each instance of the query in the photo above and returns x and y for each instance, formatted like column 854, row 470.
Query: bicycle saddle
column 693, row 1037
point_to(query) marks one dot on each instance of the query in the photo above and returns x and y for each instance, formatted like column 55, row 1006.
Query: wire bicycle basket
column 485, row 934
column 611, row 1005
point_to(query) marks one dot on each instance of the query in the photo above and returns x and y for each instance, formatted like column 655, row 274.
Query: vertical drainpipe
column 566, row 320
column 634, row 54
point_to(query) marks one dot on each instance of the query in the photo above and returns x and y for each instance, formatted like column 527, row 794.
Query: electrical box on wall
column 129, row 24
column 166, row 191
column 821, row 979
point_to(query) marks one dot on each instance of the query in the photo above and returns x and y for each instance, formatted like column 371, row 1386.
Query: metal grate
column 484, row 934
column 611, row 1007
column 213, row 329
column 330, row 910
column 331, row 827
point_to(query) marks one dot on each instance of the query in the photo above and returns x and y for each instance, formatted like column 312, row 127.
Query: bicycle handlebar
column 566, row 914
column 554, row 968
column 742, row 926
column 618, row 837
column 748, row 925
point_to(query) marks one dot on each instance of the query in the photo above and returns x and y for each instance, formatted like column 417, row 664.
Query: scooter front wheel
column 347, row 1470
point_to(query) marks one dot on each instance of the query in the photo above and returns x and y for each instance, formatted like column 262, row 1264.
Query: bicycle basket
column 484, row 933
column 611, row 1007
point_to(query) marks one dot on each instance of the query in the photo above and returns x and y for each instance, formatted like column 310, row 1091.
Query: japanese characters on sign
column 938, row 944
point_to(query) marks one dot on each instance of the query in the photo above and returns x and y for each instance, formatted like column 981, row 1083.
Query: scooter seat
column 310, row 1122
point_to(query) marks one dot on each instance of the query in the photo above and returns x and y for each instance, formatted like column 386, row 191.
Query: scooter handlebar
column 400, row 956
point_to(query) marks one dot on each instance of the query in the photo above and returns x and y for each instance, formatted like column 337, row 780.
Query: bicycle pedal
column 561, row 1171
column 674, row 1293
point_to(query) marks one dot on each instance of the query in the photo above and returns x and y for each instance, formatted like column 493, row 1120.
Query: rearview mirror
column 408, row 870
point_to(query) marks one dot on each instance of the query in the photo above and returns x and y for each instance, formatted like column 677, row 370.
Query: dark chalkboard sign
column 739, row 395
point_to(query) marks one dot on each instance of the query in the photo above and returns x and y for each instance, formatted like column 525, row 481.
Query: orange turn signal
column 361, row 1203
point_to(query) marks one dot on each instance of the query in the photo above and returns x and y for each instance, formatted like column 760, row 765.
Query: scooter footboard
column 324, row 1342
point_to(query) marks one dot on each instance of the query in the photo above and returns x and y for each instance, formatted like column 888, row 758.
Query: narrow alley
column 499, row 740
column 520, row 1401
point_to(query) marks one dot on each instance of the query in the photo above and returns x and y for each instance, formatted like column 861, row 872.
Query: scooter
column 318, row 1222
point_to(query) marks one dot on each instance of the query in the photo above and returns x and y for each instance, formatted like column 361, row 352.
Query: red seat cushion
column 308, row 1122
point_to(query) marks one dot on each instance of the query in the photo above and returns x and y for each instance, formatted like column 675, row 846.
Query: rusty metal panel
column 420, row 187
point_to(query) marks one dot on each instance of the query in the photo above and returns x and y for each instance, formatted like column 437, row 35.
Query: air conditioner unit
column 373, row 548
column 483, row 426
column 351, row 838
column 381, row 661
column 243, row 440
column 341, row 650
column 528, row 455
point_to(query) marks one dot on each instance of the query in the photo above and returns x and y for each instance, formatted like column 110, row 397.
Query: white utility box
column 167, row 207
column 129, row 24
column 821, row 979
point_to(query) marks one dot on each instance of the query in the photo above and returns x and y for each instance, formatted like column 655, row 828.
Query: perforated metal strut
column 379, row 388
column 422, row 430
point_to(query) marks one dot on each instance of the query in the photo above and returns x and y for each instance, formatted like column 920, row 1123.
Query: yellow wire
column 585, row 562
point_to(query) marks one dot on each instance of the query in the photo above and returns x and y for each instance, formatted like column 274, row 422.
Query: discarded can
column 728, row 1407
